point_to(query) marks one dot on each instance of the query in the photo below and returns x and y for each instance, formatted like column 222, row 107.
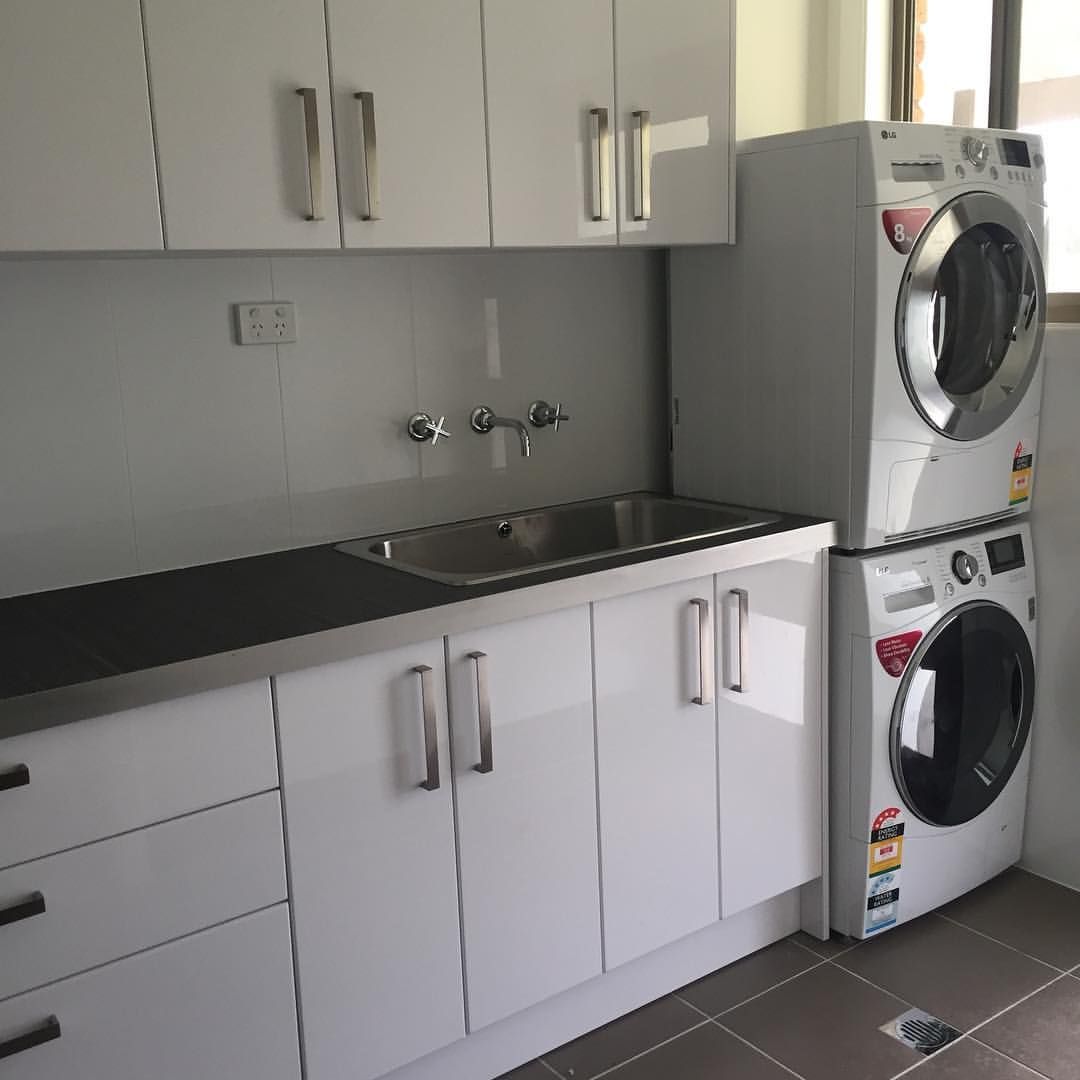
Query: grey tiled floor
column 1001, row 964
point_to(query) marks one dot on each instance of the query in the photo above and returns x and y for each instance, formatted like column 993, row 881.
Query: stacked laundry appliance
column 870, row 351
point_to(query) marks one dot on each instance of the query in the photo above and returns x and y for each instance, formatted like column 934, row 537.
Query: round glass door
column 962, row 714
column 970, row 316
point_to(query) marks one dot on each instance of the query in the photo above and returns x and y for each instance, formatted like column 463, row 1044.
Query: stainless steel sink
column 501, row 547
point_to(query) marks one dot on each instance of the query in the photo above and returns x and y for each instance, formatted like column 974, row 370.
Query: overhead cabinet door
column 409, row 100
column 241, row 96
column 550, row 86
column 76, row 149
column 673, row 71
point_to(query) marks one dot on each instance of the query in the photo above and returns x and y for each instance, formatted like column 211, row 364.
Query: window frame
column 1004, row 94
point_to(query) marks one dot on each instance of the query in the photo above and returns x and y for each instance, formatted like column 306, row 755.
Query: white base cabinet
column 218, row 1004
column 770, row 644
column 371, row 852
column 530, row 893
column 656, row 753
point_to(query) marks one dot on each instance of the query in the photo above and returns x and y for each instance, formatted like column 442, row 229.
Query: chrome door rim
column 966, row 416
column 896, row 719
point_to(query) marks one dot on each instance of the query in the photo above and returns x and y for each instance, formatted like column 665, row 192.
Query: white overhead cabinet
column 241, row 97
column 551, row 100
column 656, row 754
column 77, row 157
column 675, row 83
column 368, row 806
column 769, row 707
column 409, row 103
column 525, row 780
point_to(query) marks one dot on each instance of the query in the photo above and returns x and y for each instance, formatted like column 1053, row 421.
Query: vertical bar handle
column 431, row 734
column 370, row 156
column 483, row 708
column 705, row 653
column 19, row 776
column 314, row 151
column 33, row 905
column 642, row 165
column 744, row 638
column 43, row 1033
column 601, row 164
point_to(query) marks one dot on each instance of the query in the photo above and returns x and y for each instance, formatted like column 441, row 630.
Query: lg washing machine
column 932, row 684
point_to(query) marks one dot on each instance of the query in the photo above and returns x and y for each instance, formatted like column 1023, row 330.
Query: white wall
column 135, row 436
column 1052, row 835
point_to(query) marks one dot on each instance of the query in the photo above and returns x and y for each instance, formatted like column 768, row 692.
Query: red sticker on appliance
column 894, row 652
column 902, row 227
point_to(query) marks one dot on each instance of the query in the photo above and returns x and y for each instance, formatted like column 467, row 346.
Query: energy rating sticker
column 887, row 825
column 885, row 856
column 1020, row 482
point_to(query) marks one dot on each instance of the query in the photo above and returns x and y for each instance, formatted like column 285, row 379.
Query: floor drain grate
column 921, row 1031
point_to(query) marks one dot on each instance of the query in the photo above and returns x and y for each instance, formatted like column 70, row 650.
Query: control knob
column 964, row 566
column 975, row 150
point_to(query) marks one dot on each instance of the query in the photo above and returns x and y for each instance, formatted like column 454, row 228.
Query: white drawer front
column 129, row 893
column 104, row 776
column 216, row 1006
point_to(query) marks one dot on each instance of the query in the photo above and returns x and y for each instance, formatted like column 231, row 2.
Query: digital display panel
column 1006, row 553
column 1015, row 152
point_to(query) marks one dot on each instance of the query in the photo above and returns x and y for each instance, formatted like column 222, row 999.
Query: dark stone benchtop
column 75, row 652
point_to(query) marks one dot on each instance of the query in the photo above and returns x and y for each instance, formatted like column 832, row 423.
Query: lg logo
column 886, row 134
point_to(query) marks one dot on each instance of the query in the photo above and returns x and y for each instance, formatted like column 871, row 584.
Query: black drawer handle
column 17, row 777
column 33, row 905
column 35, row 1037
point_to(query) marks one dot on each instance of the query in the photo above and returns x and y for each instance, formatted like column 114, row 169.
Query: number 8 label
column 902, row 227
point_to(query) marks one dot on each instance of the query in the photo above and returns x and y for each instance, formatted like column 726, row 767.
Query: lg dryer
column 869, row 350
column 932, row 684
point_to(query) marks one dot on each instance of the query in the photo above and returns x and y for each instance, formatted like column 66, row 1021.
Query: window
column 1007, row 64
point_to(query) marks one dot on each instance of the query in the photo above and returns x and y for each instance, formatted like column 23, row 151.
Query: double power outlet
column 265, row 324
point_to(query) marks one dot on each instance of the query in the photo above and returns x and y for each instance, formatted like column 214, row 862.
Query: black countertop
column 82, row 635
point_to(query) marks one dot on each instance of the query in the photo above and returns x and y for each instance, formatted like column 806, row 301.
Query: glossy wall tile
column 136, row 435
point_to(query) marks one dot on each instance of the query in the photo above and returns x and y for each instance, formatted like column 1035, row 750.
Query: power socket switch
column 269, row 323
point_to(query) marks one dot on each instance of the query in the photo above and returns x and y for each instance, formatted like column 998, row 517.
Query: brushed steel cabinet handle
column 483, row 708
column 33, row 905
column 705, row 652
column 431, row 735
column 43, row 1033
column 601, row 164
column 642, row 165
column 370, row 151
column 314, row 151
column 19, row 776
column 744, row 639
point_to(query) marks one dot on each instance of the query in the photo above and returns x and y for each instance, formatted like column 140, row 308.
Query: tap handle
column 557, row 416
column 423, row 428
column 541, row 414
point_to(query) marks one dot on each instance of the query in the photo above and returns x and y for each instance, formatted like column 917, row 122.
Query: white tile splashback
column 136, row 436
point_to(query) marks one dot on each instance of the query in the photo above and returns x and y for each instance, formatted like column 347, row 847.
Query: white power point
column 270, row 323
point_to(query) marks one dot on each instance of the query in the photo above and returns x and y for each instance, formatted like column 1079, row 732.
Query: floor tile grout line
column 881, row 989
column 550, row 1068
column 957, row 1042
column 1008, row 1057
column 752, row 997
column 970, row 1033
column 814, row 952
column 998, row 941
column 747, row 1042
column 642, row 1053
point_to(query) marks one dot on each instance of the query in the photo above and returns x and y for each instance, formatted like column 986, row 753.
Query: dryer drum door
column 970, row 316
column 962, row 714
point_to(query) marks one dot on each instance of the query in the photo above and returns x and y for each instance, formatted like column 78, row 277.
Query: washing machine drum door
column 962, row 714
column 970, row 316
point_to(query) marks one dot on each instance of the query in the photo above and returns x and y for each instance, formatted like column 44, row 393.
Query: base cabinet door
column 524, row 772
column 673, row 72
column 656, row 764
column 770, row 661
column 371, row 851
column 219, row 1004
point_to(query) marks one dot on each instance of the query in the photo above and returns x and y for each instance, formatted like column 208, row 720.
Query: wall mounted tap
column 541, row 414
column 422, row 428
column 484, row 420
